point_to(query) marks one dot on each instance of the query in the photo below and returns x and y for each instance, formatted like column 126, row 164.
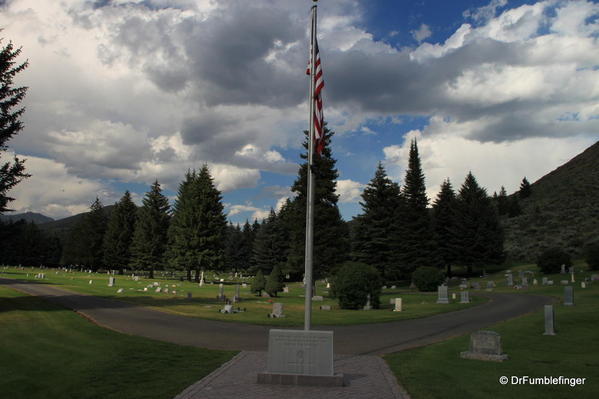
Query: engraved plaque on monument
column 300, row 357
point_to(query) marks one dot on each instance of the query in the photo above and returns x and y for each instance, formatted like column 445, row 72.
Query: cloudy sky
column 124, row 92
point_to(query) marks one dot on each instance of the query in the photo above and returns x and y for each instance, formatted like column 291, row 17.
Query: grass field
column 204, row 304
column 437, row 371
column 49, row 352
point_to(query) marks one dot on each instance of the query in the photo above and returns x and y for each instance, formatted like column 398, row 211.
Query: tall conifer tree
column 331, row 234
column 119, row 234
column 150, row 236
column 444, row 226
column 525, row 189
column 417, row 236
column 375, row 240
column 11, row 173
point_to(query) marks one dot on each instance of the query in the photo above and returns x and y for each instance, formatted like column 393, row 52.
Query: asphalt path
column 362, row 339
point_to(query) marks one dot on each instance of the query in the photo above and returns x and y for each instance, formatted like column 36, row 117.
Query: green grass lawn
column 49, row 352
column 437, row 371
column 204, row 304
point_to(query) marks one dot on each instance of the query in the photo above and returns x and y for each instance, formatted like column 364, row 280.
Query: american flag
column 318, row 114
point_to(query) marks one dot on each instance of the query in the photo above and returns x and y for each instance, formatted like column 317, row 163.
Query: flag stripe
column 318, row 111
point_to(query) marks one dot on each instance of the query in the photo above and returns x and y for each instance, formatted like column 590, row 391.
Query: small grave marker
column 569, row 296
column 398, row 305
column 549, row 320
column 464, row 297
column 442, row 294
column 485, row 345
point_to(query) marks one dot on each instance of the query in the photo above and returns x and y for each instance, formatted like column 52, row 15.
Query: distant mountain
column 36, row 218
column 563, row 210
column 62, row 227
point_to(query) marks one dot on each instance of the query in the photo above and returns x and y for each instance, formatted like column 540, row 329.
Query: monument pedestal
column 300, row 357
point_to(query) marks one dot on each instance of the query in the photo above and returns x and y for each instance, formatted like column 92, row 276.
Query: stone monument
column 442, row 294
column 549, row 320
column 398, row 305
column 485, row 345
column 464, row 297
column 569, row 296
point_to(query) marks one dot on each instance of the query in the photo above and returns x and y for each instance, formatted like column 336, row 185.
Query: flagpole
column 310, row 184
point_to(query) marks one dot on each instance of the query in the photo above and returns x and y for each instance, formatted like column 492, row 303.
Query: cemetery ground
column 47, row 351
column 204, row 303
column 432, row 371
column 436, row 370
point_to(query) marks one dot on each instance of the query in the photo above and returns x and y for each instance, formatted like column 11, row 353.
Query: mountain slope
column 563, row 210
column 36, row 218
column 62, row 227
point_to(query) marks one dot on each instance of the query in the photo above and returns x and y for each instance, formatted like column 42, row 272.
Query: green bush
column 427, row 278
column 592, row 256
column 258, row 283
column 552, row 259
column 274, row 282
column 353, row 282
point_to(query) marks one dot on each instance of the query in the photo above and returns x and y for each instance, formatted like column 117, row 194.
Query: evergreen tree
column 274, row 283
column 245, row 246
column 502, row 202
column 271, row 244
column 150, row 235
column 119, row 234
column 331, row 234
column 513, row 207
column 444, row 225
column 11, row 173
column 375, row 241
column 84, row 245
column 418, row 247
column 197, row 231
column 258, row 283
column 233, row 247
column 478, row 232
column 525, row 189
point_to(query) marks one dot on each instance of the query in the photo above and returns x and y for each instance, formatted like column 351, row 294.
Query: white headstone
column 318, row 298
column 442, row 294
column 91, row 281
column 286, row 290
column 398, row 305
column 158, row 289
column 277, row 310
column 119, row 290
column 111, row 281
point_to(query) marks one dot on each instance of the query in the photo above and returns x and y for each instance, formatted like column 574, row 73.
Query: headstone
column 569, row 295
column 384, row 287
column 119, row 290
column 244, row 285
column 583, row 284
column 237, row 296
column 227, row 309
column 510, row 280
column 549, row 282
column 328, row 285
column 464, row 297
column 368, row 306
column 91, row 281
column 594, row 277
column 265, row 294
column 564, row 282
column 572, row 280
column 111, row 281
column 145, row 288
column 442, row 294
column 286, row 290
column 300, row 357
column 453, row 296
column 485, row 345
column 202, row 279
column 398, row 305
column 165, row 290
column 549, row 320
column 393, row 287
column 563, row 269
column 277, row 310
column 524, row 282
column 158, row 289
column 325, row 307
column 221, row 292
column 318, row 298
column 535, row 282
column 544, row 281
column 491, row 284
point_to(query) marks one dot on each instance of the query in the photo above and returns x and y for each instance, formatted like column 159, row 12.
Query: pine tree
column 245, row 246
column 270, row 245
column 119, row 234
column 258, row 283
column 84, row 245
column 11, row 173
column 150, row 235
column 418, row 247
column 513, row 207
column 197, row 231
column 444, row 225
column 525, row 189
column 478, row 232
column 502, row 202
column 374, row 241
column 331, row 234
column 274, row 282
column 233, row 247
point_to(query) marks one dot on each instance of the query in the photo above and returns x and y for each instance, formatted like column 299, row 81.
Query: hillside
column 36, row 218
column 563, row 210
column 62, row 227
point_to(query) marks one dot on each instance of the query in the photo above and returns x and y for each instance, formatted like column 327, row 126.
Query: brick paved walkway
column 365, row 377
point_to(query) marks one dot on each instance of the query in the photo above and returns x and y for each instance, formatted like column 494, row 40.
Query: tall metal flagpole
column 310, row 185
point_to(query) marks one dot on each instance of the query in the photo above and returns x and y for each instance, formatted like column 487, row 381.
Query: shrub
column 427, row 278
column 592, row 256
column 551, row 260
column 274, row 283
column 258, row 283
column 353, row 282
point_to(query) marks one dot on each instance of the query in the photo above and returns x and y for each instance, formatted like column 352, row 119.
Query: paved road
column 358, row 339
